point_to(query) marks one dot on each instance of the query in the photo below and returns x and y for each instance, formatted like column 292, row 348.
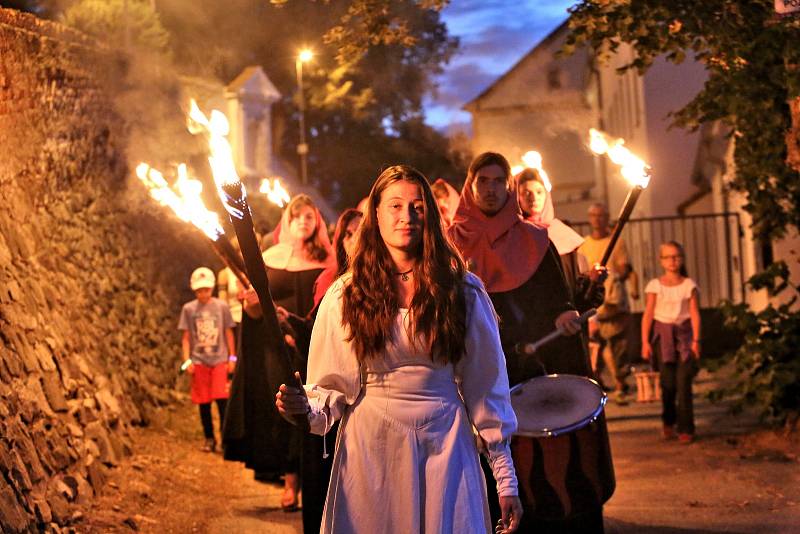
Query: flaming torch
column 632, row 168
column 188, row 205
column 234, row 198
column 275, row 192
column 533, row 160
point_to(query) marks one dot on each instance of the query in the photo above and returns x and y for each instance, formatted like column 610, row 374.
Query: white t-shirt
column 672, row 302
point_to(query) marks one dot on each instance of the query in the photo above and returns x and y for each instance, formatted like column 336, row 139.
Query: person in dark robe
column 344, row 238
column 255, row 433
column 522, row 272
column 316, row 462
column 584, row 281
column 447, row 199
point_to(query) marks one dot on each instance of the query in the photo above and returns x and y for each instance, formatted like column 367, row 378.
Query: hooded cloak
column 504, row 250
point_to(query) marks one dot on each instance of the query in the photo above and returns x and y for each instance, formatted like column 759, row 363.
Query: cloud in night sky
column 494, row 35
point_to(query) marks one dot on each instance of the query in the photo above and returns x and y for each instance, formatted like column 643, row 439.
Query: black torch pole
column 231, row 258
column 624, row 215
column 235, row 200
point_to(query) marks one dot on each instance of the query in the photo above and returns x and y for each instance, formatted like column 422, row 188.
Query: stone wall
column 91, row 279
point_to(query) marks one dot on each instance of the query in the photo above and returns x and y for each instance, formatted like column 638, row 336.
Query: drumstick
column 530, row 348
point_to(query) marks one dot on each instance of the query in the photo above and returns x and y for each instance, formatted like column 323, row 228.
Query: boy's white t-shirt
column 672, row 302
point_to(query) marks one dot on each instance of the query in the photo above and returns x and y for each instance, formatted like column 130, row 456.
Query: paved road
column 717, row 484
column 255, row 509
column 731, row 480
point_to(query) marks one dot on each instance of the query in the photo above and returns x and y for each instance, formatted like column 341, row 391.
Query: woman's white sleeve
column 334, row 379
column 484, row 386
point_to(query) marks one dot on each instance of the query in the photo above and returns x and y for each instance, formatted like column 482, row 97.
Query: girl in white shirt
column 673, row 310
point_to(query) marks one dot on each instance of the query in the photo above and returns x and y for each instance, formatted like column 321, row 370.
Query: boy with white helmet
column 208, row 349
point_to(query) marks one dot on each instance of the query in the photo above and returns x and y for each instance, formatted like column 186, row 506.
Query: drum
column 561, row 450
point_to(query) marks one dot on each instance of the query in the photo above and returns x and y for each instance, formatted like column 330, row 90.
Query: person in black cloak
column 522, row 272
column 254, row 431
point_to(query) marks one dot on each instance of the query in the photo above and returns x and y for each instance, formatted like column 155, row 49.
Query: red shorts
column 209, row 383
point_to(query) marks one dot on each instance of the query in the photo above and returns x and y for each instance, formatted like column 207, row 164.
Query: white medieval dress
column 406, row 458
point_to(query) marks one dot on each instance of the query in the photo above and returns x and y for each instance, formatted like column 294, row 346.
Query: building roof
column 552, row 36
column 253, row 81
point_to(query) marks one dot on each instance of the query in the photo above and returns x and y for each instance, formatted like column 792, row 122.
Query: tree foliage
column 374, row 60
column 753, row 63
column 752, row 60
column 120, row 22
column 767, row 364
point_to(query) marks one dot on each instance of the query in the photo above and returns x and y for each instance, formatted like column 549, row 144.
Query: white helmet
column 202, row 277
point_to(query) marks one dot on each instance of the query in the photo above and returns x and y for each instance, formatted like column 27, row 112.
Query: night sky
column 494, row 35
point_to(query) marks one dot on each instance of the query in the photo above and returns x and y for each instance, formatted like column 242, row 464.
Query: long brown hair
column 313, row 246
column 342, row 261
column 370, row 301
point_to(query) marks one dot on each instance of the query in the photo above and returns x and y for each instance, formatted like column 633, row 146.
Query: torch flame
column 187, row 203
column 632, row 168
column 221, row 158
column 533, row 160
column 275, row 192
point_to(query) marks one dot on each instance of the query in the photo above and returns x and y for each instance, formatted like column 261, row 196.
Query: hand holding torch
column 234, row 198
column 633, row 169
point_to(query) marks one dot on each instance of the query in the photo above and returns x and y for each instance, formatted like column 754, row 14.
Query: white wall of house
column 548, row 104
column 249, row 99
column 671, row 152
column 621, row 113
column 544, row 104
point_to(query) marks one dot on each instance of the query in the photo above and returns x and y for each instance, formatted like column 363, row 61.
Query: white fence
column 713, row 245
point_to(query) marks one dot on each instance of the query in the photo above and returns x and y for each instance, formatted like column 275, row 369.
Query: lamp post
column 302, row 147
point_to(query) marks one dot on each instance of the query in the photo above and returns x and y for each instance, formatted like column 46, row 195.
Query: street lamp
column 302, row 148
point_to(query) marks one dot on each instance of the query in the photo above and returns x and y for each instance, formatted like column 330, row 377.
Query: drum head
column 552, row 405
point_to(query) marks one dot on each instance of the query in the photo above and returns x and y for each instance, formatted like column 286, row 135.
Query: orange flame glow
column 632, row 168
column 216, row 127
column 186, row 203
column 533, row 160
column 275, row 192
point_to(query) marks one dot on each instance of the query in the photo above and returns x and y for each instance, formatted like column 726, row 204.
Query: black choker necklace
column 404, row 276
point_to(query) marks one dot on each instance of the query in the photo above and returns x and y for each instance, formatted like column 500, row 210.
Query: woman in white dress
column 406, row 352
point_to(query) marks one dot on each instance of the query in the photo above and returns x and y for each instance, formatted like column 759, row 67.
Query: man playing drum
column 521, row 271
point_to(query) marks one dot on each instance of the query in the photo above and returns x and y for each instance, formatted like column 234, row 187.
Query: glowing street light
column 304, row 56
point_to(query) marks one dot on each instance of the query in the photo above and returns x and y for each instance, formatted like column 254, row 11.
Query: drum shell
column 565, row 475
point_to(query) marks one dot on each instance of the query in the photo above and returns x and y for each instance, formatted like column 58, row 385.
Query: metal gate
column 713, row 245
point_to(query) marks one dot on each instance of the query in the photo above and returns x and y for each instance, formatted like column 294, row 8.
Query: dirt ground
column 734, row 478
column 171, row 486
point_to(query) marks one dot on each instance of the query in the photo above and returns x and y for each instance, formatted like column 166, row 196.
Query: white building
column 249, row 99
column 548, row 103
column 247, row 103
